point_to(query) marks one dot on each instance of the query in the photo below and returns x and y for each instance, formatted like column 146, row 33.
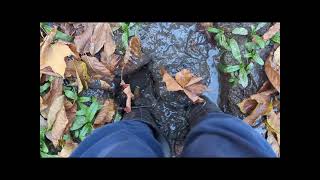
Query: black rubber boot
column 198, row 111
column 141, row 85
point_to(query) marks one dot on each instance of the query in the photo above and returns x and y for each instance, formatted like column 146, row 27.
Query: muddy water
column 176, row 46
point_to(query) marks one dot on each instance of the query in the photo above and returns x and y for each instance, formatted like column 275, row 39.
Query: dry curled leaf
column 272, row 68
column 42, row 105
column 58, row 127
column 106, row 114
column 55, row 91
column 54, row 109
column 45, row 47
column 127, row 91
column 82, row 41
column 273, row 121
column 109, row 45
column 96, row 66
column 68, row 149
column 54, row 57
column 186, row 81
column 271, row 32
column 110, row 62
column 274, row 144
column 71, row 110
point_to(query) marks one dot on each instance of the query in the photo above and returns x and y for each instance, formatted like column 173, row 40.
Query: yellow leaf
column 67, row 149
column 183, row 77
column 55, row 57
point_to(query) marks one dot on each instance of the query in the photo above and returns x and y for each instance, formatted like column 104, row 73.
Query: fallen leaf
column 171, row 84
column 45, row 47
column 82, row 41
column 70, row 113
column 82, row 71
column 98, row 38
column 247, row 105
column 104, row 85
column 273, row 120
column 73, row 48
column 135, row 46
column 54, row 57
column 70, row 69
column 274, row 144
column 58, row 127
column 115, row 26
column 48, row 71
column 96, row 66
column 109, row 45
column 272, row 68
column 110, row 62
column 184, row 80
column 271, row 32
column 106, row 113
column 68, row 149
column 79, row 83
column 265, row 86
column 55, row 91
column 127, row 91
column 183, row 77
column 42, row 105
column 54, row 109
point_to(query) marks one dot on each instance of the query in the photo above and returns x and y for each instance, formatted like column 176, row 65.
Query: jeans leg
column 128, row 138
column 222, row 135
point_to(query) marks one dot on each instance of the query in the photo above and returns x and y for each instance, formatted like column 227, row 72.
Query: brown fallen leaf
column 97, row 66
column 45, row 47
column 98, row 38
column 263, row 107
column 115, row 26
column 106, row 114
column 109, row 45
column 54, row 109
column 70, row 69
column 42, row 105
column 274, row 144
column 48, row 71
column 82, row 41
column 135, row 46
column 127, row 91
column 55, row 91
column 183, row 77
column 273, row 121
column 58, row 127
column 71, row 110
column 133, row 53
column 272, row 68
column 247, row 105
column 110, row 62
column 68, row 149
column 271, row 32
column 186, row 81
column 54, row 57
column 73, row 48
column 265, row 86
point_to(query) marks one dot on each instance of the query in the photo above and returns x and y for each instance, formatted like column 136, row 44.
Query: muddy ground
column 176, row 46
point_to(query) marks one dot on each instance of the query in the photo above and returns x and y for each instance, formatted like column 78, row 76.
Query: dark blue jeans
column 217, row 135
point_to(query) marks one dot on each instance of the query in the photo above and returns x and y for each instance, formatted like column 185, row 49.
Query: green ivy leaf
column 59, row 34
column 240, row 31
column 125, row 38
column 117, row 118
column 260, row 25
column 81, row 112
column 214, row 30
column 85, row 131
column 92, row 110
column 276, row 38
column 233, row 68
column 243, row 78
column 66, row 137
column 78, row 123
column 235, row 50
column 258, row 59
column 44, row 87
column 223, row 42
column 45, row 155
column 259, row 41
column 84, row 99
column 76, row 133
column 250, row 46
column 249, row 67
column 70, row 94
column 83, row 107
